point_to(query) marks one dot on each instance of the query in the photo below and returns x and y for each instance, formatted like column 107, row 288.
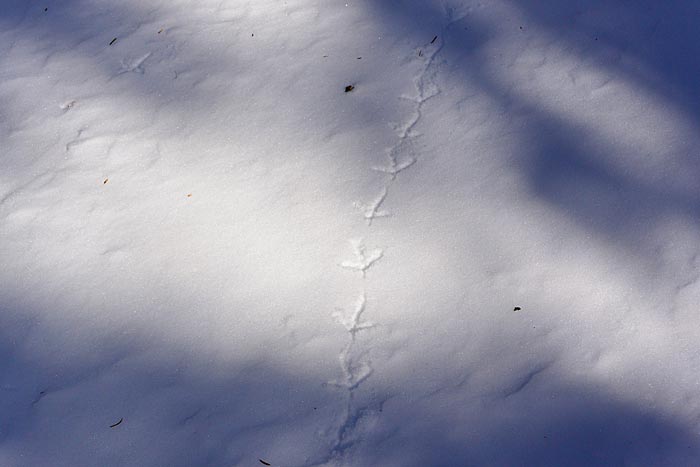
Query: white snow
column 203, row 236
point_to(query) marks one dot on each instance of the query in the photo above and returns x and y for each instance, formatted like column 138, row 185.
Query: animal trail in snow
column 395, row 167
column 355, row 365
column 426, row 89
column 372, row 210
column 352, row 321
column 363, row 259
column 356, row 425
column 406, row 130
column 355, row 368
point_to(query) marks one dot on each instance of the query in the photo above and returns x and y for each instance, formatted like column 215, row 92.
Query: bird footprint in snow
column 395, row 167
column 351, row 321
column 371, row 210
column 363, row 259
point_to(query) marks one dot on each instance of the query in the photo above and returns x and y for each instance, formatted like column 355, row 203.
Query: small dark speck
column 349, row 88
column 314, row 408
column 252, row 35
column 596, row 38
column 113, row 41
column 434, row 39
column 517, row 308
column 263, row 462
column 521, row 28
column 117, row 424
column 359, row 58
column 46, row 9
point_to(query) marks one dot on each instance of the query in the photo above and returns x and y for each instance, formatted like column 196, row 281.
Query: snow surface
column 204, row 237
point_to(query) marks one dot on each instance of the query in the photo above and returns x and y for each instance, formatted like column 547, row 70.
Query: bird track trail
column 372, row 210
column 363, row 259
column 355, row 364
